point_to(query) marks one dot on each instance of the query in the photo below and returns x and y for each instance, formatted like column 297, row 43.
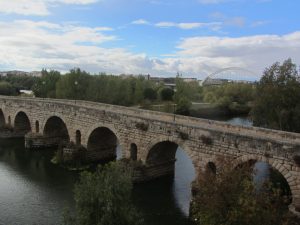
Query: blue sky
column 159, row 37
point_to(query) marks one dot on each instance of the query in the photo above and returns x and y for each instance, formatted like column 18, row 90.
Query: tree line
column 272, row 102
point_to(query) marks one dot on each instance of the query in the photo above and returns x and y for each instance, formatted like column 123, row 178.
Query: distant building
column 188, row 80
column 21, row 73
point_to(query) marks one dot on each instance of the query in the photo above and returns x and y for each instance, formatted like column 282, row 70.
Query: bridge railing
column 170, row 118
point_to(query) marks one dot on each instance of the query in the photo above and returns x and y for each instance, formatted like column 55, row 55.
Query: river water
column 33, row 191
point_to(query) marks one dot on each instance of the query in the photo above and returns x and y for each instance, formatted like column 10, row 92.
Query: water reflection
column 34, row 191
column 184, row 176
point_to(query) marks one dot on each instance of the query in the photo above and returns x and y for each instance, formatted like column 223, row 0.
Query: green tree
column 150, row 94
column 21, row 82
column 230, row 197
column 167, row 94
column 104, row 198
column 277, row 103
column 73, row 85
column 46, row 86
column 233, row 97
column 7, row 89
column 183, row 106
column 183, row 96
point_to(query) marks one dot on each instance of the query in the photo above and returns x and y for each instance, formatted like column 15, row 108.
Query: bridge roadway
column 149, row 137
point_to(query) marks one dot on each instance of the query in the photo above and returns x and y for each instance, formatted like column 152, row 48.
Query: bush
column 104, row 198
column 230, row 197
column 297, row 159
column 150, row 94
column 142, row 126
column 167, row 94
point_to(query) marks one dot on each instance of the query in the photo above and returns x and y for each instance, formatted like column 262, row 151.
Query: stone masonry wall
column 202, row 140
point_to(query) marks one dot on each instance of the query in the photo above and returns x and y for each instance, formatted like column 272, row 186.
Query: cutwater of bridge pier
column 151, row 138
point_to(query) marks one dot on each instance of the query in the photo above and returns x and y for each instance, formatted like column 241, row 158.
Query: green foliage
column 230, row 197
column 235, row 97
column 73, row 85
column 104, row 198
column 183, row 106
column 166, row 94
column 46, row 86
column 277, row 103
column 142, row 126
column 150, row 94
column 104, row 88
column 183, row 96
column 21, row 82
column 7, row 89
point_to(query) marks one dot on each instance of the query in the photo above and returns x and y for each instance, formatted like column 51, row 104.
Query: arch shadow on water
column 33, row 190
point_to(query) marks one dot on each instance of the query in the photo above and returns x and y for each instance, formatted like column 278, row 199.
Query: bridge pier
column 8, row 132
column 73, row 152
column 143, row 173
column 105, row 153
column 39, row 141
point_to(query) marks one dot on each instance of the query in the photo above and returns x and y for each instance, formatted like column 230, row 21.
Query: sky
column 158, row 37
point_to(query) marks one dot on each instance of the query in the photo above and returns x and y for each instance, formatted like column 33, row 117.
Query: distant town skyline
column 159, row 37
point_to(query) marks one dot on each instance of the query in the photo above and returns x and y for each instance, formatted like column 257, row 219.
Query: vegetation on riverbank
column 274, row 101
column 104, row 198
column 131, row 91
column 231, row 197
column 277, row 102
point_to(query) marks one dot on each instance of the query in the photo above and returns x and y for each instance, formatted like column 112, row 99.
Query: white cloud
column 184, row 26
column 260, row 23
column 140, row 22
column 35, row 7
column 37, row 45
column 250, row 52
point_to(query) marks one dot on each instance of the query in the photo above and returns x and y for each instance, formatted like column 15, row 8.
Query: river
column 33, row 191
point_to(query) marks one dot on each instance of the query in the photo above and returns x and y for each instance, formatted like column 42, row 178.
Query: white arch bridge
column 230, row 74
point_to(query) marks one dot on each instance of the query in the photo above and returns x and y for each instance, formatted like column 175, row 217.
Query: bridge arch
column 102, row 142
column 56, row 129
column 178, row 142
column 242, row 71
column 9, row 120
column 78, row 137
column 2, row 118
column 22, row 123
column 211, row 167
column 120, row 141
column 274, row 164
column 167, row 158
column 164, row 151
column 37, row 126
column 133, row 151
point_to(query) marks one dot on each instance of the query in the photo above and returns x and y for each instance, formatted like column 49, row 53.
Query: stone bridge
column 149, row 137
